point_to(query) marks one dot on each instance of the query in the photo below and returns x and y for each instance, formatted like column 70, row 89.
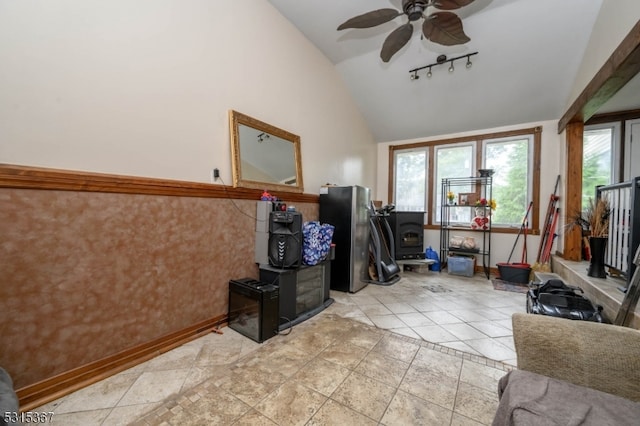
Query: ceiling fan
column 439, row 27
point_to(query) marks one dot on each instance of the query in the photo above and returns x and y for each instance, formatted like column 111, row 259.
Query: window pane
column 511, row 187
column 596, row 161
column 451, row 162
column 410, row 176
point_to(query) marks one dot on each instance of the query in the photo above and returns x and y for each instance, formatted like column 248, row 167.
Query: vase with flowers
column 593, row 221
column 451, row 196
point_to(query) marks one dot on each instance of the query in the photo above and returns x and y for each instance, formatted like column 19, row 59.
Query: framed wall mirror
column 264, row 156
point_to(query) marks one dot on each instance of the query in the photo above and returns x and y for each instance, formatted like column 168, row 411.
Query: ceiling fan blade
column 444, row 28
column 451, row 4
column 370, row 19
column 396, row 40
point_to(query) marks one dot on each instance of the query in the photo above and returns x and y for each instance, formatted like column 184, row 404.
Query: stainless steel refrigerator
column 347, row 208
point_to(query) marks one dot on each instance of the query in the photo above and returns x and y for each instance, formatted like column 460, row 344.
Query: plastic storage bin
column 461, row 265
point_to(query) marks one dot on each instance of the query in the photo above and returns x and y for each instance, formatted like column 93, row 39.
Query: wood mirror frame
column 264, row 156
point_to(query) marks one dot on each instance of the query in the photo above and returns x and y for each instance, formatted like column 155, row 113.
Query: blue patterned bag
column 316, row 242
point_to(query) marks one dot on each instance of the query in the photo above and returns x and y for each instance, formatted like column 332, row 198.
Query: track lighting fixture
column 441, row 60
column 263, row 136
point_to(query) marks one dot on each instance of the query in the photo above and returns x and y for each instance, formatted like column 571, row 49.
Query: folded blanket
column 531, row 399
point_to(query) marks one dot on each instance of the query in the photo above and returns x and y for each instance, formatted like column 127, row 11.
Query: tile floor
column 427, row 350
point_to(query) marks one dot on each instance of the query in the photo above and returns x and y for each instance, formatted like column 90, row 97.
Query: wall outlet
column 216, row 173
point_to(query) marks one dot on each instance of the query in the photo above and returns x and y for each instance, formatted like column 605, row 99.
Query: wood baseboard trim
column 48, row 390
column 26, row 177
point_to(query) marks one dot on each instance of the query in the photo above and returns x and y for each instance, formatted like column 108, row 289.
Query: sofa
column 572, row 373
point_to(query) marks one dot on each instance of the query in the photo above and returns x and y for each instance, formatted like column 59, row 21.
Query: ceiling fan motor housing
column 414, row 9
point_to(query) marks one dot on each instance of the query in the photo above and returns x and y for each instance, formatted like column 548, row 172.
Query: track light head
column 441, row 60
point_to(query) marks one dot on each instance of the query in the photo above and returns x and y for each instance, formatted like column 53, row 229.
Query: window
column 410, row 180
column 597, row 159
column 453, row 161
column 510, row 158
column 511, row 154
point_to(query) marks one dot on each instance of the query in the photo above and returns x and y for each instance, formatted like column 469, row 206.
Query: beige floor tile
column 375, row 310
column 461, row 346
column 468, row 315
column 383, row 368
column 365, row 337
column 463, row 331
column 313, row 342
column 345, row 311
column 281, row 358
column 250, row 384
column 361, row 300
column 406, row 409
column 435, row 334
column 104, row 394
column 491, row 349
column 254, row 418
column 214, row 406
column 460, row 420
column 491, row 329
column 333, row 413
column 364, row 395
column 442, row 317
column 407, row 331
column 438, row 363
column 476, row 403
column 341, row 354
column 481, row 376
column 386, row 322
column 322, row 376
column 154, row 386
column 400, row 308
column 81, row 418
column 415, row 319
column 396, row 347
column 291, row 404
column 506, row 341
column 123, row 415
column 435, row 388
column 344, row 354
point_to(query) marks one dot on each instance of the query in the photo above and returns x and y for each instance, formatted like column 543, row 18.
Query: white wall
column 144, row 87
column 501, row 244
column 615, row 20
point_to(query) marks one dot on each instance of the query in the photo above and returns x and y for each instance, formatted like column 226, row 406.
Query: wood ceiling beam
column 621, row 67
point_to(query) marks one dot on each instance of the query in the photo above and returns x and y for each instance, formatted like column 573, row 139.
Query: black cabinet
column 303, row 291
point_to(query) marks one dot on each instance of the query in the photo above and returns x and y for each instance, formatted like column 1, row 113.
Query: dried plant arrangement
column 594, row 219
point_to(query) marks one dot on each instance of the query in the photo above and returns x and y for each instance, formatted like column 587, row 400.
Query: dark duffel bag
column 557, row 299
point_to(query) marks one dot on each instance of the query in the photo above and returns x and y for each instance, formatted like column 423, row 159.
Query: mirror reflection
column 264, row 156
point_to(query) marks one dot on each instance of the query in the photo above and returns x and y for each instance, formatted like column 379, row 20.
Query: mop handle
column 524, row 220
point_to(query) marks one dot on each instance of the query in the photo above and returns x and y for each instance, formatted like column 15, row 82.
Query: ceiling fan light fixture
column 441, row 60
column 442, row 27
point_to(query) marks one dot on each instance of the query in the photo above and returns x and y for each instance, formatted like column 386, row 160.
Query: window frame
column 534, row 132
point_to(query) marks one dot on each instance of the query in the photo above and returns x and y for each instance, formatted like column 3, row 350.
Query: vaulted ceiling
column 529, row 52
